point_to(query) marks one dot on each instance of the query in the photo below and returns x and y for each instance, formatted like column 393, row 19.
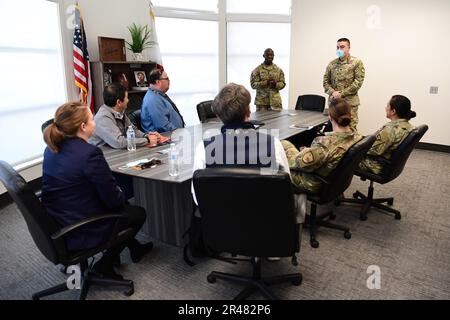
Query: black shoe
column 117, row 263
column 106, row 272
column 139, row 250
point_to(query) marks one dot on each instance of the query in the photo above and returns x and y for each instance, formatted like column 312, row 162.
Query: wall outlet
column 434, row 90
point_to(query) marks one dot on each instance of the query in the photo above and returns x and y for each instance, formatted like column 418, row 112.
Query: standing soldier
column 343, row 78
column 268, row 79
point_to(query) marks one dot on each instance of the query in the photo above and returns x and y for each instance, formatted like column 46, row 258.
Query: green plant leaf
column 140, row 38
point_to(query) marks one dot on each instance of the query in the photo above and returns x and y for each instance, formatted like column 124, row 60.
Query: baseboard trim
column 5, row 198
column 433, row 147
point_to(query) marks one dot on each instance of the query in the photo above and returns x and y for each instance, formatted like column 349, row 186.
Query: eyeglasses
column 164, row 79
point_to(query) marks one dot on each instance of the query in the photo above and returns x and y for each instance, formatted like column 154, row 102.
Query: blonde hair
column 68, row 119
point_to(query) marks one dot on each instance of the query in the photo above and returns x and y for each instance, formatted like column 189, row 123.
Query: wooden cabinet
column 118, row 71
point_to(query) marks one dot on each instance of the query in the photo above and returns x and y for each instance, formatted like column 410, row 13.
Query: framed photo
column 141, row 79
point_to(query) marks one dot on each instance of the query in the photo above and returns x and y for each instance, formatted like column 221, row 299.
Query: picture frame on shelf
column 141, row 79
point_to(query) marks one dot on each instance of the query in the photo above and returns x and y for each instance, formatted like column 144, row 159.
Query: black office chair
column 310, row 102
column 46, row 124
column 49, row 236
column 391, row 169
column 135, row 118
column 247, row 213
column 332, row 187
column 205, row 111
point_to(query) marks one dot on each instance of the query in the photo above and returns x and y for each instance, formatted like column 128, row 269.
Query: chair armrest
column 83, row 222
column 380, row 159
column 315, row 175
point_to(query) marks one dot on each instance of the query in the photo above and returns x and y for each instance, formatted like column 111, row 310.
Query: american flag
column 81, row 67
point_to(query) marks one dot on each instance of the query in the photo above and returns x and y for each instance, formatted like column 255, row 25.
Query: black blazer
column 77, row 183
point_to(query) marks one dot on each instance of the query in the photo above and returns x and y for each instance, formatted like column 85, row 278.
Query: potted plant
column 140, row 40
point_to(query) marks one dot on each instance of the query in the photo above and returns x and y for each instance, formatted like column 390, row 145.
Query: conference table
column 168, row 199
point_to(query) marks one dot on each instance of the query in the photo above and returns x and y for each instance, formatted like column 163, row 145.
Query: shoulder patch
column 308, row 157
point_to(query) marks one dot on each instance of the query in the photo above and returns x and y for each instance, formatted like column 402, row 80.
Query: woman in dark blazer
column 77, row 184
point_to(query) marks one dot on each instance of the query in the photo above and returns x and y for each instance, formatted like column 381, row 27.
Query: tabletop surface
column 276, row 123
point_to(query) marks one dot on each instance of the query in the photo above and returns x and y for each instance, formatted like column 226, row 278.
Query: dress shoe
column 138, row 250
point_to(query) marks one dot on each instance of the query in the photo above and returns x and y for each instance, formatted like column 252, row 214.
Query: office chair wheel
column 390, row 202
column 363, row 217
column 211, row 279
column 130, row 291
column 398, row 216
column 297, row 282
column 332, row 216
column 347, row 235
column 337, row 202
column 355, row 195
column 314, row 243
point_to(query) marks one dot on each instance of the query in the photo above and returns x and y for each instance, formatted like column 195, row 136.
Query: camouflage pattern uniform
column 267, row 97
column 388, row 139
column 347, row 77
column 321, row 158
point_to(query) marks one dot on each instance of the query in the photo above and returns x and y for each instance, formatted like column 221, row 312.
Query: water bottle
column 174, row 169
column 131, row 141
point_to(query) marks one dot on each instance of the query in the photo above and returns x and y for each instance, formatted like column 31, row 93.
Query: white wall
column 407, row 55
column 102, row 18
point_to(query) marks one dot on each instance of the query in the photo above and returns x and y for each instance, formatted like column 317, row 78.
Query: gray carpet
column 413, row 253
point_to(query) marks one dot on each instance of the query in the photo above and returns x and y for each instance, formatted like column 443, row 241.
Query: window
column 246, row 43
column 259, row 6
column 189, row 41
column 189, row 49
column 32, row 79
column 204, row 5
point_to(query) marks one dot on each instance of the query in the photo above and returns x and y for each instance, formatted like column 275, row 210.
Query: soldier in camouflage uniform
column 343, row 78
column 268, row 80
column 391, row 134
column 326, row 151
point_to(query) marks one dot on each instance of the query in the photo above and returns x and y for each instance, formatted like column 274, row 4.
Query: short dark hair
column 232, row 103
column 402, row 106
column 340, row 111
column 112, row 93
column 344, row 39
column 155, row 75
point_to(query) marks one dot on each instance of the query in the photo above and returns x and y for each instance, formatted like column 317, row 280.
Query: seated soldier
column 326, row 151
column 389, row 137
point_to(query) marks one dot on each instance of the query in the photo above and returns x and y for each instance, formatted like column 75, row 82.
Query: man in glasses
column 158, row 112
